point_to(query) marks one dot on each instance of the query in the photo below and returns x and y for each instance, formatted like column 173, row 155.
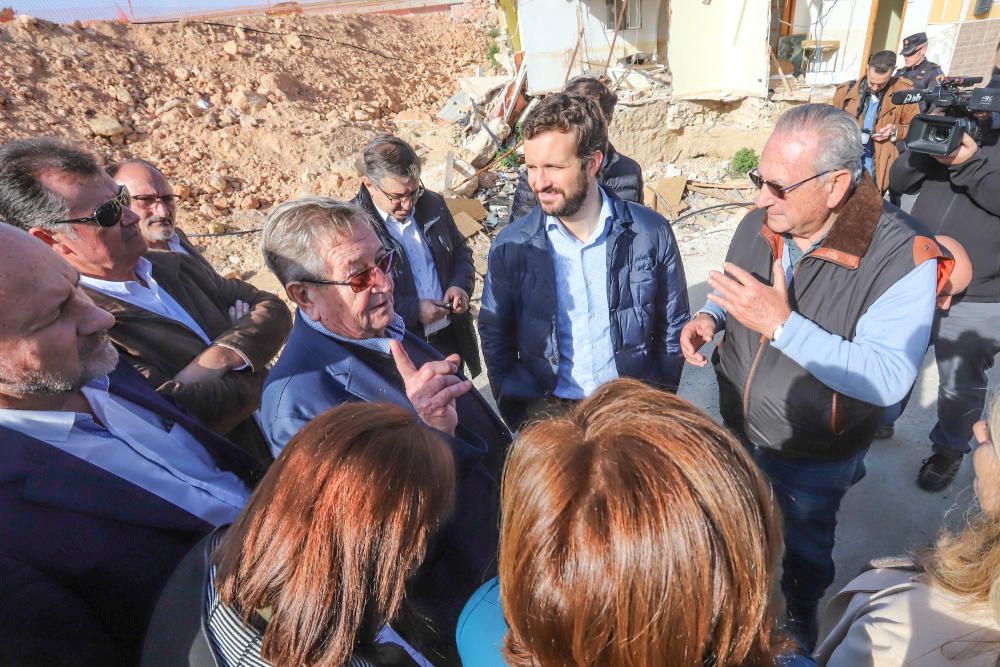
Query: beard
column 159, row 233
column 99, row 360
column 572, row 200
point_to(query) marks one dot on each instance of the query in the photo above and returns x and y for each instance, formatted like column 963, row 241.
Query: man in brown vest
column 827, row 302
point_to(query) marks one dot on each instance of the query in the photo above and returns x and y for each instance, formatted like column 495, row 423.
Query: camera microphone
column 909, row 97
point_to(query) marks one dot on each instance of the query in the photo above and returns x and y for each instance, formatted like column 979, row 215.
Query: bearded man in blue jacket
column 584, row 289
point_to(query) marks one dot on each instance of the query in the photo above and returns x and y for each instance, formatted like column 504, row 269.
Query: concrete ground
column 885, row 514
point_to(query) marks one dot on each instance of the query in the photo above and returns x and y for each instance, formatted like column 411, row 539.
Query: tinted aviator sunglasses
column 107, row 214
column 363, row 279
column 779, row 191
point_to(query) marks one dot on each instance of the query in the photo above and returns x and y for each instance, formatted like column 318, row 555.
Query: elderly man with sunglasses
column 433, row 271
column 154, row 201
column 201, row 340
column 827, row 299
column 349, row 344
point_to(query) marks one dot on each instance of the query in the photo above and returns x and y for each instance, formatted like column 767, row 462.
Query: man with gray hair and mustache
column 104, row 484
column 154, row 201
column 827, row 298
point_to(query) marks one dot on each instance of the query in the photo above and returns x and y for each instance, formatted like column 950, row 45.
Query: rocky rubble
column 239, row 117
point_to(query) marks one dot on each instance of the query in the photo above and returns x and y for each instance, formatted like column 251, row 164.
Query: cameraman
column 882, row 121
column 960, row 197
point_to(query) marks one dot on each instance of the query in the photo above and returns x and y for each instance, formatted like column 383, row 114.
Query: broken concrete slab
column 482, row 88
column 483, row 146
column 456, row 109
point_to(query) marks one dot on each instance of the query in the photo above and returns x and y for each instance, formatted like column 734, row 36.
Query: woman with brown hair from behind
column 313, row 572
column 635, row 532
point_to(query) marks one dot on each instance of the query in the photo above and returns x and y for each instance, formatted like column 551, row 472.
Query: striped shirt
column 237, row 644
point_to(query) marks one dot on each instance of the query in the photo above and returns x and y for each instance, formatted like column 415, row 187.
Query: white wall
column 941, row 38
column 845, row 21
column 718, row 51
column 550, row 28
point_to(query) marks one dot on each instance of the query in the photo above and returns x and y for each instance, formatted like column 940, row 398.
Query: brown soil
column 238, row 119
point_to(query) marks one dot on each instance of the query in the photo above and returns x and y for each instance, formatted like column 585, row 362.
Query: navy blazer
column 316, row 373
column 84, row 553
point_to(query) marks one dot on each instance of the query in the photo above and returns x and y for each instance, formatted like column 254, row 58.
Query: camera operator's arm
column 972, row 169
column 909, row 170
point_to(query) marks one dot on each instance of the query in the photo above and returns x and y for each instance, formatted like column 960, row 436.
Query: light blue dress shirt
column 425, row 278
column 583, row 320
column 871, row 115
column 135, row 445
column 889, row 345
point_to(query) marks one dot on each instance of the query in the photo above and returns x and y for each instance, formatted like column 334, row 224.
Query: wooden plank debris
column 466, row 224
column 471, row 207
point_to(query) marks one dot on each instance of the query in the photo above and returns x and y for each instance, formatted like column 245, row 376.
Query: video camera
column 942, row 135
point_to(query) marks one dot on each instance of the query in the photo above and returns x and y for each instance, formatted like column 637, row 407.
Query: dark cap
column 913, row 42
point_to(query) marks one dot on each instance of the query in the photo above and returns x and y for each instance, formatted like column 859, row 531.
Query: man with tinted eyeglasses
column 827, row 298
column 349, row 344
column 433, row 272
column 201, row 340
column 154, row 201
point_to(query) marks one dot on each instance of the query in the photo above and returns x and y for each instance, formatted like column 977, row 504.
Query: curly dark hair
column 565, row 113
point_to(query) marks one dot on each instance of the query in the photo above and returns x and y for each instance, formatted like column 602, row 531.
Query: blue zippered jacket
column 647, row 295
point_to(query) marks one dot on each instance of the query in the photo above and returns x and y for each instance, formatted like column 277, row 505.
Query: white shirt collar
column 143, row 269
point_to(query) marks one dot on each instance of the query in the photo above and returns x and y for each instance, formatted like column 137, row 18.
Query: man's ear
column 48, row 237
column 595, row 167
column 300, row 295
column 840, row 185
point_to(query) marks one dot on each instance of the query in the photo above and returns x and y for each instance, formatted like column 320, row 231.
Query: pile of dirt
column 239, row 117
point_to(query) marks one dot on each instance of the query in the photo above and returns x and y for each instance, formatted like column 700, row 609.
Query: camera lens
column 938, row 134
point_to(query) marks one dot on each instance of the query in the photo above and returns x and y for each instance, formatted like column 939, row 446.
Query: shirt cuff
column 246, row 362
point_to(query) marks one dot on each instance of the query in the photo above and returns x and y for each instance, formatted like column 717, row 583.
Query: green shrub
column 491, row 53
column 743, row 161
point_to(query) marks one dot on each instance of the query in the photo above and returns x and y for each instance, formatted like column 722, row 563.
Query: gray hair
column 24, row 201
column 294, row 233
column 386, row 155
column 837, row 133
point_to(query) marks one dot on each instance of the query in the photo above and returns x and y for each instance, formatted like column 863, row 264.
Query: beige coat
column 890, row 618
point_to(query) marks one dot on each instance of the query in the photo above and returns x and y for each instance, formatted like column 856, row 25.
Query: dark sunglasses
column 149, row 201
column 413, row 196
column 779, row 191
column 107, row 214
column 363, row 279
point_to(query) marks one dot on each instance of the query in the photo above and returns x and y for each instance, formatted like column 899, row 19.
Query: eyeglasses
column 107, row 214
column 149, row 201
column 779, row 191
column 413, row 197
column 363, row 279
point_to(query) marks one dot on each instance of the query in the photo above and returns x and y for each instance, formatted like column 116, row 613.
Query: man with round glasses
column 154, row 201
column 827, row 299
column 199, row 339
column 433, row 272
column 349, row 344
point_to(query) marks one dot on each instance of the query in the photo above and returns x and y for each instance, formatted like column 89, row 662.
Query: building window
column 633, row 14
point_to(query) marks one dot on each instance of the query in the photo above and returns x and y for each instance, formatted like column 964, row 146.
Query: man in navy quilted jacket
column 584, row 289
